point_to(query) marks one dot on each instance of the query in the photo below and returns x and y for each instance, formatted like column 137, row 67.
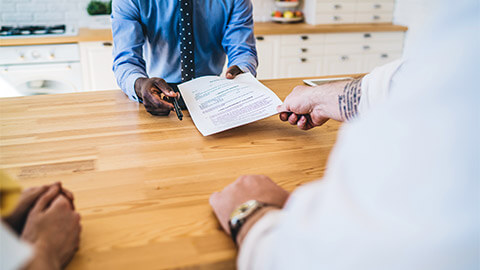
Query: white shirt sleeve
column 249, row 257
column 14, row 254
column 377, row 84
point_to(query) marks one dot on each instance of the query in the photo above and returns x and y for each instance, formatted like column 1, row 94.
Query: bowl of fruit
column 287, row 3
column 287, row 16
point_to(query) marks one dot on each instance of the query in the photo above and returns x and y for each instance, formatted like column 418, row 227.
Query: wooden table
column 142, row 182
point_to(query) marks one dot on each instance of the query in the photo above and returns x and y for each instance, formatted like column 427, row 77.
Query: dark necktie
column 186, row 40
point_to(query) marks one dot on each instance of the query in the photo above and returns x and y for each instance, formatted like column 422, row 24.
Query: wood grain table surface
column 141, row 182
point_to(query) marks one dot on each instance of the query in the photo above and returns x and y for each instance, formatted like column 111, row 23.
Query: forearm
column 41, row 260
column 338, row 100
column 129, row 38
column 239, row 41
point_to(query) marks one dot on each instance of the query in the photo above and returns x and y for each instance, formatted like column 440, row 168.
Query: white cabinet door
column 342, row 64
column 97, row 61
column 266, row 51
column 372, row 61
column 291, row 67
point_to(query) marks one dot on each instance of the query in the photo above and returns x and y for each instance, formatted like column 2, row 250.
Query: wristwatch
column 240, row 215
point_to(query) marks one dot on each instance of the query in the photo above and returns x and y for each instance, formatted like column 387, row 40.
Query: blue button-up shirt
column 146, row 39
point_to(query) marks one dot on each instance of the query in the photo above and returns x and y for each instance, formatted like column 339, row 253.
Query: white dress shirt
column 401, row 189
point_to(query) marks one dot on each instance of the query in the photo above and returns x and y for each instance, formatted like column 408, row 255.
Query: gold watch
column 240, row 215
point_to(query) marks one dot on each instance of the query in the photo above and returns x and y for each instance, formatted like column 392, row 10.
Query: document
column 217, row 104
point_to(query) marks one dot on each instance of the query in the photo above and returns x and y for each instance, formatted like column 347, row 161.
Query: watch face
column 244, row 210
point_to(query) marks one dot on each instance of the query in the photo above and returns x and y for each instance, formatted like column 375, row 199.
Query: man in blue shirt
column 147, row 38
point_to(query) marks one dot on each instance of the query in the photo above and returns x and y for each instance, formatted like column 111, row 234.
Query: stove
column 7, row 31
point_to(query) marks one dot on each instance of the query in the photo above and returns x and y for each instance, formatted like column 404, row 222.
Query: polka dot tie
column 186, row 40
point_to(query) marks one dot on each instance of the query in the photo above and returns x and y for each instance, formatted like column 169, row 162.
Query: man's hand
column 16, row 220
column 155, row 93
column 53, row 228
column 245, row 188
column 309, row 107
column 232, row 72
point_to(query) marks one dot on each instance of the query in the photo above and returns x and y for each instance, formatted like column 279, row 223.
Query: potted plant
column 99, row 12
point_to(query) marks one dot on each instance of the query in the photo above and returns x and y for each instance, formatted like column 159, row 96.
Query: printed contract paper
column 217, row 104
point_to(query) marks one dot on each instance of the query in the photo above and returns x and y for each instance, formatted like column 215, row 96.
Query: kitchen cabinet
column 96, row 59
column 267, row 51
column 305, row 55
column 348, row 11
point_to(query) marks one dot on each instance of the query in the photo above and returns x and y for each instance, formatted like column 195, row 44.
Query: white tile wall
column 22, row 12
column 26, row 12
column 13, row 12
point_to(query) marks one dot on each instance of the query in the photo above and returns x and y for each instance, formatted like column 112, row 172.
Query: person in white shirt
column 401, row 190
column 43, row 229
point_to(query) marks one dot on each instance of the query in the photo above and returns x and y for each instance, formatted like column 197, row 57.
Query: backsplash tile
column 21, row 12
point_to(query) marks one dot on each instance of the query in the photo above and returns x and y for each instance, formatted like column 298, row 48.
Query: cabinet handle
column 367, row 35
column 260, row 38
column 344, row 58
column 376, row 17
column 337, row 6
column 336, row 18
column 303, row 60
column 304, row 50
column 304, row 37
column 384, row 56
column 377, row 6
column 107, row 44
column 366, row 47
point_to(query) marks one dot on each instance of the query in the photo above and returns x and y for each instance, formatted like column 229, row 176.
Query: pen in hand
column 178, row 111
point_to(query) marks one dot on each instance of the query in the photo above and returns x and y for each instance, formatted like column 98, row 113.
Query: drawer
column 338, row 1
column 301, row 50
column 381, row 47
column 301, row 67
column 375, row 7
column 307, row 39
column 335, row 18
column 344, row 48
column 364, row 37
column 374, row 17
column 359, row 48
column 334, row 7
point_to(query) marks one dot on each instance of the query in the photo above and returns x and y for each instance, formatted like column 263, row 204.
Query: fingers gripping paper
column 217, row 104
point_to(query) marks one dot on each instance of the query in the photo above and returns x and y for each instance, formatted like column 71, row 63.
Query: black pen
column 177, row 109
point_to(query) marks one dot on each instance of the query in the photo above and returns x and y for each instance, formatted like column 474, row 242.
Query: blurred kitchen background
column 55, row 46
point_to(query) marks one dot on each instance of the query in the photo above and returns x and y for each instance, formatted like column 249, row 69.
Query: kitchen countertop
column 141, row 182
column 267, row 28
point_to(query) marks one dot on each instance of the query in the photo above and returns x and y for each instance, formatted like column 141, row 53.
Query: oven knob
column 36, row 55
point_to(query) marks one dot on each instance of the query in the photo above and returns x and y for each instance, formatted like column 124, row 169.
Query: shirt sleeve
column 377, row 84
column 238, row 39
column 128, row 40
column 14, row 253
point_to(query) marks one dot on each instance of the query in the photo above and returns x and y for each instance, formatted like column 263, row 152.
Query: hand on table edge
column 16, row 220
column 53, row 230
column 247, row 187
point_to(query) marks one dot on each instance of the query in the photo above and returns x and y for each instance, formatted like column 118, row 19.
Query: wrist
column 252, row 220
column 42, row 258
column 138, row 86
column 326, row 99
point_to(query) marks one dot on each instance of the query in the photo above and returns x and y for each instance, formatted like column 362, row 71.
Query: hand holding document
column 217, row 104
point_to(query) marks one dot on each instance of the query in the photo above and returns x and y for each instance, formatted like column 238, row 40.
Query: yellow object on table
column 9, row 193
